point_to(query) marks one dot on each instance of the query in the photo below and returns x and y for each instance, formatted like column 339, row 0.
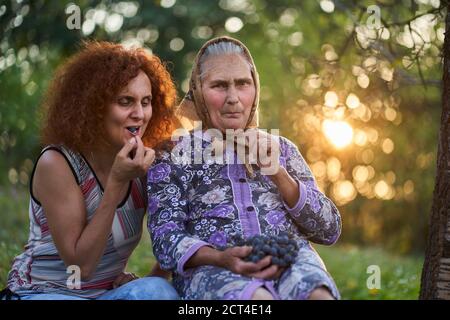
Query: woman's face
column 129, row 114
column 228, row 90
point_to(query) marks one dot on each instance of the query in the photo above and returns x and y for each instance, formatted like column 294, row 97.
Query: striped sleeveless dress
column 39, row 269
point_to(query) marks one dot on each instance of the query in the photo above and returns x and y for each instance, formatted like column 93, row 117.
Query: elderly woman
column 199, row 211
column 87, row 189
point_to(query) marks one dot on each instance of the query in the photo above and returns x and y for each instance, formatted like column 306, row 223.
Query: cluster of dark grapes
column 282, row 249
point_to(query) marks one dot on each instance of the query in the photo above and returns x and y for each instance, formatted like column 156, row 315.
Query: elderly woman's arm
column 287, row 187
column 315, row 215
column 176, row 249
column 167, row 187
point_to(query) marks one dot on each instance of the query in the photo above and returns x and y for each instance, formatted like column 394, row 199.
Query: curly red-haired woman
column 104, row 111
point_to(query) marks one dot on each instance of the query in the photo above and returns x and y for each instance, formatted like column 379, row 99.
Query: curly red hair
column 77, row 98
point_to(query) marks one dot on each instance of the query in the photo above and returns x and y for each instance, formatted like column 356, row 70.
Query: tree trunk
column 436, row 269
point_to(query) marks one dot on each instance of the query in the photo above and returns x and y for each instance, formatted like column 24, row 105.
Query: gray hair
column 222, row 48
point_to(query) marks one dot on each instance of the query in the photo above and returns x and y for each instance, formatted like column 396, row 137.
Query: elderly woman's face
column 129, row 114
column 228, row 90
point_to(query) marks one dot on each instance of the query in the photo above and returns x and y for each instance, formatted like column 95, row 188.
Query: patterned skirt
column 296, row 283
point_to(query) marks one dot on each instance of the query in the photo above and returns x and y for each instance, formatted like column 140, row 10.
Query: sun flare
column 339, row 133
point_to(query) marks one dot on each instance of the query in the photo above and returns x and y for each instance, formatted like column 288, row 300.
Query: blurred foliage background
column 356, row 84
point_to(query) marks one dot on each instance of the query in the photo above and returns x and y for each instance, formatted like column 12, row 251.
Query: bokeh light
column 361, row 173
column 327, row 6
column 331, row 99
column 352, row 101
column 344, row 192
column 176, row 44
column 167, row 3
column 339, row 133
column 387, row 146
column 333, row 168
column 233, row 24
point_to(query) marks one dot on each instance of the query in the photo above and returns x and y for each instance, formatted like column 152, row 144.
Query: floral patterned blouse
column 210, row 204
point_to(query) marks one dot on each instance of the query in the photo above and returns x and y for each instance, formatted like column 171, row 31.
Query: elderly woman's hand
column 262, row 147
column 132, row 161
column 232, row 259
column 265, row 148
column 123, row 278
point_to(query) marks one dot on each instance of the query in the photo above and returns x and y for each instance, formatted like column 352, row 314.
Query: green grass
column 142, row 259
column 400, row 276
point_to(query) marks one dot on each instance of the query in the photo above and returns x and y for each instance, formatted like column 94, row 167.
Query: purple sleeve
column 315, row 215
column 295, row 210
column 167, row 187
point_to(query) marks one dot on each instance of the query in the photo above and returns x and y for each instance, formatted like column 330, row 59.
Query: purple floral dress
column 195, row 205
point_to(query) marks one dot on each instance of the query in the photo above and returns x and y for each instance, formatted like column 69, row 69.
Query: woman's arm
column 167, row 215
column 266, row 148
column 175, row 248
column 287, row 186
column 78, row 241
column 315, row 215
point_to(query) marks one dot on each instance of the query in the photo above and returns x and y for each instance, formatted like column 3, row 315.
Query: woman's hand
column 232, row 259
column 132, row 161
column 263, row 148
column 123, row 278
column 79, row 241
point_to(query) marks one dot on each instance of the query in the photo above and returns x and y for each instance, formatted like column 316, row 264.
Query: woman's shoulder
column 53, row 155
column 57, row 159
column 61, row 149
